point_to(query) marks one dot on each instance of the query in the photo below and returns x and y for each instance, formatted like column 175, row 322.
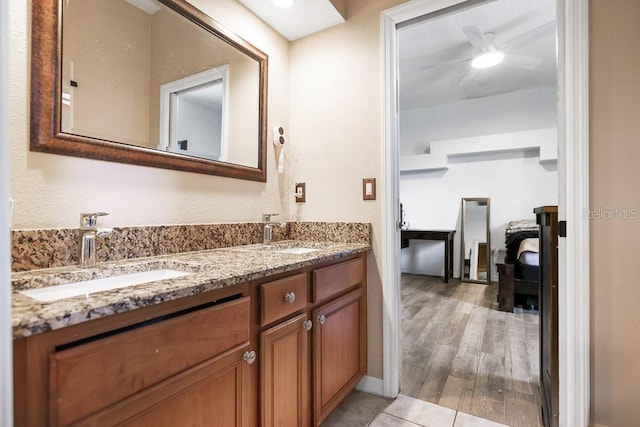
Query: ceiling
column 521, row 27
column 304, row 17
column 149, row 6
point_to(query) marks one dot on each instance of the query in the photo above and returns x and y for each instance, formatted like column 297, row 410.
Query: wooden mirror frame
column 46, row 135
column 487, row 202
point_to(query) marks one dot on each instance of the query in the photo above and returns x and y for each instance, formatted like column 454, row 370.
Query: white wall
column 510, row 112
column 201, row 126
column 515, row 181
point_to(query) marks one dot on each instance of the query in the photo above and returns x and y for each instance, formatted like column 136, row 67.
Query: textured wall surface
column 336, row 135
column 615, row 212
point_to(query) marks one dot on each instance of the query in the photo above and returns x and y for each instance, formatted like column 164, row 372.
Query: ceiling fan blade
column 468, row 76
column 477, row 38
column 531, row 35
column 446, row 64
column 521, row 61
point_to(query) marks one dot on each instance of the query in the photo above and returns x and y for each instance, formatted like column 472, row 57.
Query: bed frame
column 508, row 286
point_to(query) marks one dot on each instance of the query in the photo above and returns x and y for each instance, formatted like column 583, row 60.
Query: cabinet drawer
column 328, row 281
column 275, row 304
column 91, row 376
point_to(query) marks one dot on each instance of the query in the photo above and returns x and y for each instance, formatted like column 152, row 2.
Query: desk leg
column 447, row 259
column 451, row 256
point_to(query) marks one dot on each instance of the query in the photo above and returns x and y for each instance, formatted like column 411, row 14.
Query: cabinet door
column 339, row 341
column 284, row 366
column 92, row 376
column 215, row 401
column 212, row 394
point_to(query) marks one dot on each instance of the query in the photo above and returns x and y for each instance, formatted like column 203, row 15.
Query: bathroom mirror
column 150, row 82
column 475, row 261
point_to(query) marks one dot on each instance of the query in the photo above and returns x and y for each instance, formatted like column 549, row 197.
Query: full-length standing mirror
column 475, row 261
column 150, row 82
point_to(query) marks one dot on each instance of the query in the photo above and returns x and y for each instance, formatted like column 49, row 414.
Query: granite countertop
column 212, row 269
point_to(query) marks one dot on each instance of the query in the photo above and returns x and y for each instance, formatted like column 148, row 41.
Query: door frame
column 573, row 202
column 6, row 345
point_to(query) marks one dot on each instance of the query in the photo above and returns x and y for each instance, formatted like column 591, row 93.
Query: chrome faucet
column 89, row 233
column 267, row 233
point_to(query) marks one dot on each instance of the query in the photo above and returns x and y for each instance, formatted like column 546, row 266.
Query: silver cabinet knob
column 290, row 297
column 321, row 319
column 249, row 357
column 307, row 324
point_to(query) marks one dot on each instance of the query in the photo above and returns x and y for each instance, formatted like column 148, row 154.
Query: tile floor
column 363, row 409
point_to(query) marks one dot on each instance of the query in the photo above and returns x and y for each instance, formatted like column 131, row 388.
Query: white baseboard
column 371, row 385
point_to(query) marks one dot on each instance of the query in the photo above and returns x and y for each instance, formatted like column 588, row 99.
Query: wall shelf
column 544, row 140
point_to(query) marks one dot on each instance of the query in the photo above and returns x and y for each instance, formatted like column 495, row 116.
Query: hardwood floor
column 459, row 351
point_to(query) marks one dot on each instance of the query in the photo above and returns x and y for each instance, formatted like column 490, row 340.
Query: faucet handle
column 267, row 217
column 90, row 219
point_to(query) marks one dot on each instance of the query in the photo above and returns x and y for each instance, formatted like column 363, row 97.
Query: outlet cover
column 300, row 192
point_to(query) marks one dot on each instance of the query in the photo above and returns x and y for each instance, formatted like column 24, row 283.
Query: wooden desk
column 444, row 235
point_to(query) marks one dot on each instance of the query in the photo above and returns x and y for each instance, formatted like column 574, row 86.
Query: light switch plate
column 369, row 189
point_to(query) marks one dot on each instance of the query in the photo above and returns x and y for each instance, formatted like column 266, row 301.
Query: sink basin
column 296, row 251
column 56, row 292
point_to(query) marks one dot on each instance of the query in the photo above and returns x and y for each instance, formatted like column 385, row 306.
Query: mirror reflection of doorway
column 196, row 121
column 194, row 114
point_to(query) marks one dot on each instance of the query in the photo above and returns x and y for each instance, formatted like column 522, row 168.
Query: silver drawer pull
column 307, row 324
column 290, row 297
column 249, row 357
column 321, row 319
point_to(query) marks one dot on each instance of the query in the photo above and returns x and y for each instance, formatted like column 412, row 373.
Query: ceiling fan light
column 283, row 3
column 487, row 59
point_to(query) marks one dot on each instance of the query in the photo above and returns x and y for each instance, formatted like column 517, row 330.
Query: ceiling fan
column 489, row 55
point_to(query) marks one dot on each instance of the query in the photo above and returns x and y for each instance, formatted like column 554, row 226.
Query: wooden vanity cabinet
column 177, row 363
column 189, row 361
column 312, row 355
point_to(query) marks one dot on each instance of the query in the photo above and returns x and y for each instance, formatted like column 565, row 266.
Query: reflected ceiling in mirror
column 147, row 82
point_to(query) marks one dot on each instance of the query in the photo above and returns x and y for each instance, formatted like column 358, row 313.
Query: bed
column 519, row 268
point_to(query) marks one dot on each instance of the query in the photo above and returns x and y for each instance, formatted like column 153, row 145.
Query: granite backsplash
column 48, row 248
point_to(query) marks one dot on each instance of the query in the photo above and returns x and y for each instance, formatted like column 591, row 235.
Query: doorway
column 573, row 198
column 477, row 133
